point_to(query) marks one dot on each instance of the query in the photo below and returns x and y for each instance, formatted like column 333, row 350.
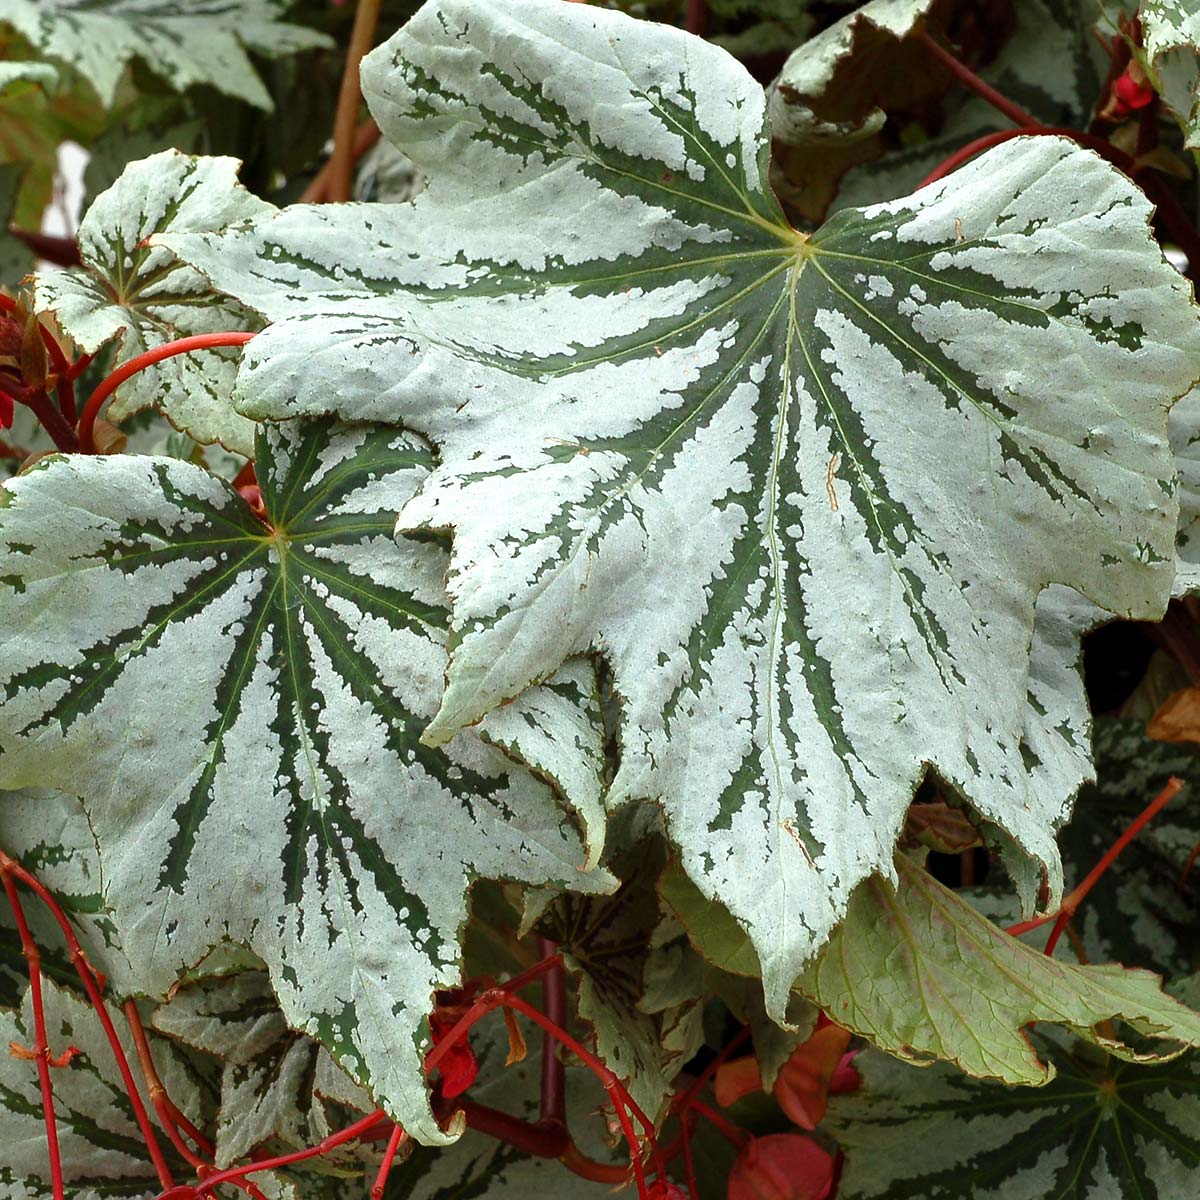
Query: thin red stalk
column 554, row 1003
column 345, row 121
column 389, row 1157
column 17, row 453
column 1172, row 788
column 365, row 137
column 91, row 410
column 41, row 1045
column 61, row 251
column 158, row 1093
column 1071, row 902
column 697, row 1085
column 689, row 1166
column 739, row 1137
column 52, row 421
column 542, row 1141
column 696, row 17
column 65, row 385
column 964, row 74
column 1187, row 866
column 88, row 979
column 286, row 1160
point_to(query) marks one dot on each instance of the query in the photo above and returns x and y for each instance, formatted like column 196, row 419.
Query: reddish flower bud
column 782, row 1166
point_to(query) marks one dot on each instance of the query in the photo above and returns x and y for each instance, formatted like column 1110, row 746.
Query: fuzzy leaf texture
column 956, row 987
column 143, row 296
column 240, row 706
column 1100, row 1131
column 186, row 42
column 674, row 430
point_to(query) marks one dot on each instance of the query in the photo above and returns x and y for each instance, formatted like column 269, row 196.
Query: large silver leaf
column 240, row 705
column 797, row 490
column 185, row 41
column 144, row 296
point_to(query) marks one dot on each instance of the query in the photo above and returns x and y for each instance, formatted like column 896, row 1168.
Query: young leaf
column 1101, row 1130
column 144, row 296
column 675, row 430
column 101, row 1145
column 956, row 987
column 239, row 705
column 187, row 42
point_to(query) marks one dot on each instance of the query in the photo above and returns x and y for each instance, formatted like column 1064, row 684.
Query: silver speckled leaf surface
column 240, row 707
column 102, row 1150
column 797, row 491
column 187, row 42
column 1115, row 1131
column 144, row 296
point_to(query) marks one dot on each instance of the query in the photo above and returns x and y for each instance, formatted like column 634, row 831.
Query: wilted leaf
column 957, row 987
column 187, row 42
column 1178, row 719
column 152, row 630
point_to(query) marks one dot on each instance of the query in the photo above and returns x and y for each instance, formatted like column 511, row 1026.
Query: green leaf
column 272, row 1078
column 675, row 431
column 99, row 1139
column 187, row 42
column 1099, row 1131
column 144, row 296
column 240, row 705
column 956, row 987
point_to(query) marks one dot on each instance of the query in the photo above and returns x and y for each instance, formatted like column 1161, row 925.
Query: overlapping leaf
column 678, row 432
column 100, row 1143
column 1171, row 55
column 144, row 296
column 187, row 42
column 240, row 707
column 956, row 987
column 272, row 1079
column 1099, row 1131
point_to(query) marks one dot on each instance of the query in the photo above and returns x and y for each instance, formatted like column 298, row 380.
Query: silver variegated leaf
column 48, row 833
column 1184, row 430
column 271, row 1076
column 239, row 703
column 956, row 987
column 1101, row 1130
column 678, row 432
column 143, row 296
column 186, row 42
column 1171, row 54
column 101, row 1146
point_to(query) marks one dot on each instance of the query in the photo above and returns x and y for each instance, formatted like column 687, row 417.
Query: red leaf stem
column 554, row 1004
column 41, row 1044
column 964, row 74
column 91, row 410
column 385, row 1168
column 87, row 977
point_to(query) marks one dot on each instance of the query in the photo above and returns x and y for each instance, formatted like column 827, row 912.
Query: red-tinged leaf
column 802, row 1088
column 782, row 1166
column 845, row 1078
column 460, row 1067
column 737, row 1078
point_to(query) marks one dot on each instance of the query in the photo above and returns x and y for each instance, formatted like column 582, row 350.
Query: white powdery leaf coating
column 32, row 72
column 186, row 42
column 797, row 491
column 100, row 1143
column 230, row 703
column 143, row 295
column 1170, row 25
column 1184, row 430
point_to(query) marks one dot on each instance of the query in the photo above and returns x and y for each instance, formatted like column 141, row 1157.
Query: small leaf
column 144, row 296
column 187, row 42
column 1099, row 1131
column 277, row 675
